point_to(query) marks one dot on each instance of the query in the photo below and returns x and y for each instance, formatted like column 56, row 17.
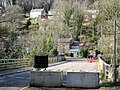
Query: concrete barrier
column 83, row 79
column 46, row 79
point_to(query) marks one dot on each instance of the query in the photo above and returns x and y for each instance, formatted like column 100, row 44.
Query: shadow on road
column 15, row 80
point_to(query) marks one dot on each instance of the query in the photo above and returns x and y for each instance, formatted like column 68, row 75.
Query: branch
column 118, row 26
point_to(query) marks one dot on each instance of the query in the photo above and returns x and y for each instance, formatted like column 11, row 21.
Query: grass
column 33, row 21
column 25, row 30
column 80, row 57
column 109, row 88
column 24, row 21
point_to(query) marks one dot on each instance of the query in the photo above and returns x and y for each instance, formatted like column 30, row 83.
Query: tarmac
column 19, row 70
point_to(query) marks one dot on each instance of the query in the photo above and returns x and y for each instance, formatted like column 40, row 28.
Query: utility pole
column 114, row 49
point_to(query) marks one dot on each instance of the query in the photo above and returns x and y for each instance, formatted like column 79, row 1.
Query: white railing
column 105, row 68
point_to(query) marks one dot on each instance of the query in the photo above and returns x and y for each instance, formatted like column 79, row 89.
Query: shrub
column 83, row 51
column 71, row 54
column 66, row 54
column 53, row 52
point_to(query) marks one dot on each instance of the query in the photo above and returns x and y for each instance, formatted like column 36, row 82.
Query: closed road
column 17, row 81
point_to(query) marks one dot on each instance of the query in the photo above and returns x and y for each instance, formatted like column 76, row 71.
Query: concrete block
column 83, row 79
column 46, row 79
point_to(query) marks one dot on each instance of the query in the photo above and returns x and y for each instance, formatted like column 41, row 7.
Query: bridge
column 18, row 79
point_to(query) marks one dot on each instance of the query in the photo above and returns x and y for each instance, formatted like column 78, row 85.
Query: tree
column 71, row 15
column 4, row 32
column 107, row 10
column 12, row 16
column 12, row 49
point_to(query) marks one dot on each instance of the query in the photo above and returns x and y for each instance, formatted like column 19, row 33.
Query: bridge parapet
column 6, row 64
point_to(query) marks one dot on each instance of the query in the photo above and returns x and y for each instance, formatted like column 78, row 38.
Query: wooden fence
column 14, row 63
column 6, row 64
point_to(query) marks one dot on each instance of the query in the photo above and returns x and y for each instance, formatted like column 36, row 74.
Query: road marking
column 24, row 88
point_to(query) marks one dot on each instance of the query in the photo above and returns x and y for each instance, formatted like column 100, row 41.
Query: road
column 76, row 65
column 14, row 81
column 17, row 81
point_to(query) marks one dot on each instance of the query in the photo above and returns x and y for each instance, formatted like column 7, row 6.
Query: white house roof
column 37, row 10
column 72, row 50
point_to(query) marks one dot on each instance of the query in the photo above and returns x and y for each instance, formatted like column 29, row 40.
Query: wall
column 35, row 14
column 83, row 79
column 56, row 79
column 46, row 79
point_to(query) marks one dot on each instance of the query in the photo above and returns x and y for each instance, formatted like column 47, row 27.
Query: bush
column 71, row 54
column 81, row 57
column 53, row 52
column 83, row 52
column 66, row 54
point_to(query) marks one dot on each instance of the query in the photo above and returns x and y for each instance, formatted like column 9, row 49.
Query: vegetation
column 110, row 88
column 68, row 21
column 53, row 52
column 27, row 5
column 24, row 38
column 12, row 50
column 108, row 9
column 3, row 31
column 83, row 52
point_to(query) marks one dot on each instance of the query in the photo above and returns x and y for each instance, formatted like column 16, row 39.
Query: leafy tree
column 12, row 50
column 3, row 31
column 40, row 42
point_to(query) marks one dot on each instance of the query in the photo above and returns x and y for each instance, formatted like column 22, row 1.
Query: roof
column 92, row 12
column 74, row 49
column 75, row 43
column 37, row 10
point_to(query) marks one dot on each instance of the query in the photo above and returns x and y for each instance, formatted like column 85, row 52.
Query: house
column 76, row 45
column 91, row 13
column 88, row 16
column 75, row 48
column 37, row 13
column 75, row 52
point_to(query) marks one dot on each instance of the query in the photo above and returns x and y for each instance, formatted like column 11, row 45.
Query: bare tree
column 12, row 16
column 107, row 10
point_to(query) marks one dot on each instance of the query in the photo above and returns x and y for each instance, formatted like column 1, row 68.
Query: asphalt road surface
column 20, row 81
column 76, row 65
column 14, row 81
